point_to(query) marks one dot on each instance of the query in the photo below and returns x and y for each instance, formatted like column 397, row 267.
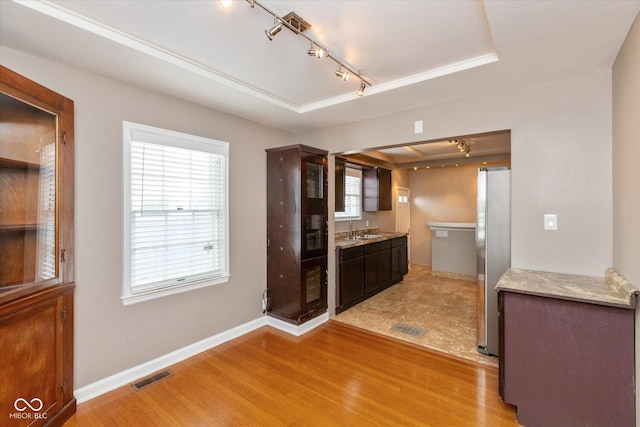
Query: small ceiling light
column 271, row 32
column 317, row 51
column 363, row 86
column 415, row 168
column 226, row 3
column 344, row 75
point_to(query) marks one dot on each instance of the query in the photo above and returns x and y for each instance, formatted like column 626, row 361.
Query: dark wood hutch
column 296, row 233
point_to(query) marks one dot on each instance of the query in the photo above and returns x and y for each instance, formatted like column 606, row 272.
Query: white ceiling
column 415, row 53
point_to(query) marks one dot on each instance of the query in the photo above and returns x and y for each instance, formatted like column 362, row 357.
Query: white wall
column 110, row 337
column 561, row 163
column 626, row 169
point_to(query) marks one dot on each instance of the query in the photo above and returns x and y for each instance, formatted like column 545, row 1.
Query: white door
column 403, row 216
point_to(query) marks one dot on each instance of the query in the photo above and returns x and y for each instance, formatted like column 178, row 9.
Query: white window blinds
column 177, row 212
column 352, row 194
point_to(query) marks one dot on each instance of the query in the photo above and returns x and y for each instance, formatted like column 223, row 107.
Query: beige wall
column 110, row 337
column 561, row 163
column 626, row 168
column 439, row 194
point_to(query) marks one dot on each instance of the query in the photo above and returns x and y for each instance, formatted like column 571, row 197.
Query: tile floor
column 434, row 312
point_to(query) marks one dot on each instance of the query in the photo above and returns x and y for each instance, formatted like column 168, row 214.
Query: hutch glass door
column 28, row 194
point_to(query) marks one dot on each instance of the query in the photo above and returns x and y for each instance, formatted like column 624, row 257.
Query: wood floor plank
column 335, row 375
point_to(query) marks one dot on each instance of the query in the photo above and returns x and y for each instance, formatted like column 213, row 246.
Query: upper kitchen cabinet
column 36, row 250
column 296, row 233
column 376, row 189
column 340, row 183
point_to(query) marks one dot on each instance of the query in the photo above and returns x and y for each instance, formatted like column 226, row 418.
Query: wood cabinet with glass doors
column 36, row 253
column 296, row 233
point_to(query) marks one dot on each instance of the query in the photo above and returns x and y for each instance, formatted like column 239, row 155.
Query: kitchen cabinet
column 351, row 275
column 377, row 266
column 296, row 233
column 399, row 258
column 376, row 189
column 36, row 253
column 368, row 268
column 340, row 183
column 566, row 349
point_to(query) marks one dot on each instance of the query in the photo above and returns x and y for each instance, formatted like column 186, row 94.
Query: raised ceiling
column 415, row 53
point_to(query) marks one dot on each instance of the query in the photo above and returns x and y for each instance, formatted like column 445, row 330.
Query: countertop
column 612, row 290
column 350, row 243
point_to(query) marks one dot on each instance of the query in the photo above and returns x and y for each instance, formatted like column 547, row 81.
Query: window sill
column 163, row 292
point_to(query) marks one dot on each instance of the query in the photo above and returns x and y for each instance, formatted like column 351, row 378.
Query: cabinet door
column 376, row 189
column 314, row 205
column 371, row 276
column 36, row 185
column 340, row 183
column 351, row 280
column 31, row 344
column 313, row 285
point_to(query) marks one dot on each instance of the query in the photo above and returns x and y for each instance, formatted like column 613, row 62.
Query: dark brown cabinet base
column 365, row 270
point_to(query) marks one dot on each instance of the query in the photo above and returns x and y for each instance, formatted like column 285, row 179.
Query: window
column 352, row 195
column 176, row 212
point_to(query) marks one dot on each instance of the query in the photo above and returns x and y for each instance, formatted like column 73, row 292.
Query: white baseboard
column 128, row 376
column 300, row 329
column 105, row 385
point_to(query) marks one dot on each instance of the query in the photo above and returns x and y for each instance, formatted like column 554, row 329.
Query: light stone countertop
column 612, row 290
column 350, row 243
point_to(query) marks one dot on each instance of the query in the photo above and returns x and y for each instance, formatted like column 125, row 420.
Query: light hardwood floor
column 335, row 375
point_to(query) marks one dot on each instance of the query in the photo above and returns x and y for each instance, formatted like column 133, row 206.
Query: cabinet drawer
column 377, row 246
column 399, row 241
column 351, row 253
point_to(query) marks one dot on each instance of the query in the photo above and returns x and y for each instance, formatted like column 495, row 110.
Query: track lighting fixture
column 463, row 147
column 344, row 75
column 271, row 32
column 317, row 51
column 298, row 25
column 363, row 86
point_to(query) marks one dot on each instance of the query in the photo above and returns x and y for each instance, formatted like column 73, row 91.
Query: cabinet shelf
column 17, row 164
column 14, row 228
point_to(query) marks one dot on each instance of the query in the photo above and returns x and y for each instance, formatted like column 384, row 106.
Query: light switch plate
column 417, row 126
column 550, row 222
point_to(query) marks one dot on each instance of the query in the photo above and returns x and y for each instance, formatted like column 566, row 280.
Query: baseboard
column 299, row 329
column 128, row 376
column 105, row 385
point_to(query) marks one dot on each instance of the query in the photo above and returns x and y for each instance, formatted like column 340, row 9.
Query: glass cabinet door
column 315, row 180
column 314, row 282
column 28, row 194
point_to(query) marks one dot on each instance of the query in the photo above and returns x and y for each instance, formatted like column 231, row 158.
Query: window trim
column 161, row 136
column 338, row 218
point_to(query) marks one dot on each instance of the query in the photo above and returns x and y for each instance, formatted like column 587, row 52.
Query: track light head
column 363, row 86
column 316, row 51
column 344, row 75
column 271, row 32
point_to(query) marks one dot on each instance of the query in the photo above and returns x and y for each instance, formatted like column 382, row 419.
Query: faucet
column 350, row 227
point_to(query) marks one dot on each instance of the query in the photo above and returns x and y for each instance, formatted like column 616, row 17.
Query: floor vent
column 151, row 380
column 408, row 330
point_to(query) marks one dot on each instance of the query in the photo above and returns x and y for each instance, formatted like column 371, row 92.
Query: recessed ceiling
column 484, row 148
column 415, row 53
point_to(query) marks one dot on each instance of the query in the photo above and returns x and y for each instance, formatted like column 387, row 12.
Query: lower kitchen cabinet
column 399, row 259
column 566, row 363
column 351, row 275
column 367, row 269
column 377, row 266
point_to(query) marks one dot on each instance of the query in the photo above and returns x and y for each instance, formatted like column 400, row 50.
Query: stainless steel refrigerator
column 493, row 239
